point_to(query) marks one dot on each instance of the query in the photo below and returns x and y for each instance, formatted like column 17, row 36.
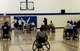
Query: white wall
column 41, row 6
column 58, row 20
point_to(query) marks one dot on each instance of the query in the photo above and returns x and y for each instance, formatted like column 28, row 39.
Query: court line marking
column 20, row 46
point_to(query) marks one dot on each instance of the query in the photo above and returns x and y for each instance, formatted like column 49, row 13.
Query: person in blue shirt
column 75, row 32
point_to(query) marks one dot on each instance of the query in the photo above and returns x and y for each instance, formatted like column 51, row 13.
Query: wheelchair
column 75, row 35
column 65, row 34
column 70, row 35
column 48, row 29
column 52, row 29
column 39, row 46
column 6, row 36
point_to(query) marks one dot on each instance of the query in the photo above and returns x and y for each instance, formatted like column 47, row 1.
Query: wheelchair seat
column 41, row 40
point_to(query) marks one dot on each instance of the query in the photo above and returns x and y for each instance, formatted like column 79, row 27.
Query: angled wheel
column 36, row 47
column 47, row 45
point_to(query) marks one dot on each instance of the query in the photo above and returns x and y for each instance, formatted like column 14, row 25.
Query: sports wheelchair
column 70, row 35
column 5, row 36
column 48, row 28
column 39, row 46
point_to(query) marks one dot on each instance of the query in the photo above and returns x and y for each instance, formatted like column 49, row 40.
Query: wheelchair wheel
column 47, row 45
column 36, row 47
column 8, row 36
column 77, row 37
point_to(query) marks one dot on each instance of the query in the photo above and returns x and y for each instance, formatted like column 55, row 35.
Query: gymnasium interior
column 25, row 18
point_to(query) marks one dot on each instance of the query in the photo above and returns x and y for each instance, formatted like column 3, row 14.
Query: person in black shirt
column 15, row 25
column 45, row 21
column 5, row 29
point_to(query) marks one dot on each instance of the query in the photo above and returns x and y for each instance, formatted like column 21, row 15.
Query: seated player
column 51, row 26
column 68, row 29
column 75, row 32
column 20, row 24
column 41, row 37
column 32, row 26
column 26, row 27
column 5, row 30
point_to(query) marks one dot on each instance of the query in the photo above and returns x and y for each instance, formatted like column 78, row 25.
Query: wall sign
column 29, row 19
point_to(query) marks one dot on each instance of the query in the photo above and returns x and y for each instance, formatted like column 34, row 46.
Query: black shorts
column 41, row 40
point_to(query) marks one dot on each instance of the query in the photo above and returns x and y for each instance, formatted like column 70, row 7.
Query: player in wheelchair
column 52, row 27
column 71, row 32
column 48, row 28
column 67, row 33
column 75, row 32
column 5, row 31
column 26, row 27
column 41, row 40
column 33, row 27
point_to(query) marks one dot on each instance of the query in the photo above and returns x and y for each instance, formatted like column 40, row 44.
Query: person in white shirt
column 68, row 29
column 20, row 24
column 68, row 26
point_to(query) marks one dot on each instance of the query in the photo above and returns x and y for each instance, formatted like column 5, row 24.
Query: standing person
column 45, row 23
column 5, row 30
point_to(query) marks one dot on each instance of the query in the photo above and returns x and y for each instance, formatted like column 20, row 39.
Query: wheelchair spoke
column 47, row 45
column 34, row 49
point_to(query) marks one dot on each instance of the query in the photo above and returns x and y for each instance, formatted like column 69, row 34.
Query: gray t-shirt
column 41, row 34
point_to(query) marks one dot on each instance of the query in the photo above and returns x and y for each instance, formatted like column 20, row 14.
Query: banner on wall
column 29, row 19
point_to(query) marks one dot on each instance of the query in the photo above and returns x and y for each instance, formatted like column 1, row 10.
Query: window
column 26, row 5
